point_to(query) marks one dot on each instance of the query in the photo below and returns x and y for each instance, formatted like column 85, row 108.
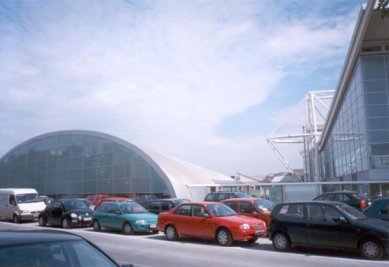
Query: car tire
column 127, row 229
column 66, row 224
column 371, row 249
column 96, row 226
column 171, row 233
column 223, row 237
column 16, row 219
column 42, row 221
column 281, row 242
column 252, row 241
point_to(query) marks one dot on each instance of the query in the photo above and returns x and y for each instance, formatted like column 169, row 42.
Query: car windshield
column 264, row 204
column 67, row 253
column 132, row 208
column 353, row 213
column 221, row 210
column 26, row 198
column 74, row 204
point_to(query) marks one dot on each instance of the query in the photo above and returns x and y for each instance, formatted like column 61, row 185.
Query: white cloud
column 162, row 75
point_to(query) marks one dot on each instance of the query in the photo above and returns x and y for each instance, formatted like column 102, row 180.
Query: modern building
column 354, row 145
column 85, row 162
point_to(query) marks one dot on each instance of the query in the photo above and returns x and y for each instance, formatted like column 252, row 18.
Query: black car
column 351, row 198
column 379, row 209
column 161, row 205
column 66, row 213
column 332, row 225
column 50, row 248
column 219, row 196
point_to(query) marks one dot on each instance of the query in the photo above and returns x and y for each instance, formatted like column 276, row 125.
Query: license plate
column 259, row 233
column 153, row 226
column 87, row 219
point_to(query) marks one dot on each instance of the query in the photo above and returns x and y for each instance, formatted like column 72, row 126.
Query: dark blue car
column 379, row 209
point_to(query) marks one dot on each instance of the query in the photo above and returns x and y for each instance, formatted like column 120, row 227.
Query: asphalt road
column 156, row 251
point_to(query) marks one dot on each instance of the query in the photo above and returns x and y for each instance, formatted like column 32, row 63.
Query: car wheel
column 281, row 242
column 223, row 237
column 127, row 229
column 42, row 221
column 371, row 249
column 170, row 233
column 66, row 224
column 96, row 226
column 16, row 219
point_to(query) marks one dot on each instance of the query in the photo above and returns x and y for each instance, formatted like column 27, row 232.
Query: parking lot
column 154, row 250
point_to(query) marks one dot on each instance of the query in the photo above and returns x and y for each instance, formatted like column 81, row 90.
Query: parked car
column 219, row 196
column 351, row 198
column 161, row 205
column 112, row 199
column 127, row 216
column 379, row 209
column 95, row 198
column 46, row 199
column 67, row 213
column 209, row 220
column 87, row 203
column 142, row 199
column 253, row 207
column 332, row 225
column 20, row 204
column 50, row 248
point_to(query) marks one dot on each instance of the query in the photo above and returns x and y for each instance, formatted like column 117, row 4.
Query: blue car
column 128, row 217
column 379, row 209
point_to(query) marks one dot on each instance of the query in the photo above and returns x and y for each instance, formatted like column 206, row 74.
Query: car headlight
column 245, row 226
column 140, row 222
column 24, row 212
column 73, row 215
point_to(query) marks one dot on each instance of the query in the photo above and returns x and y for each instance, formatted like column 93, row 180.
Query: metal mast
column 309, row 115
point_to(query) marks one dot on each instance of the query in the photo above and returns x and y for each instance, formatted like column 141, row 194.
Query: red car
column 95, row 198
column 112, row 199
column 254, row 207
column 209, row 220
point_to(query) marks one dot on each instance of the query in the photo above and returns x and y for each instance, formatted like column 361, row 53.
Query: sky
column 202, row 81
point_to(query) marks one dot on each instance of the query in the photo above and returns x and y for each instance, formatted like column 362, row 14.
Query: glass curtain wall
column 74, row 164
column 359, row 139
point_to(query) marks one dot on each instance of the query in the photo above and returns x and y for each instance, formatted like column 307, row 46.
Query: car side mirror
column 340, row 220
column 205, row 215
column 254, row 213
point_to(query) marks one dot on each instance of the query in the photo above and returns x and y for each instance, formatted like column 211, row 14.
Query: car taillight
column 362, row 204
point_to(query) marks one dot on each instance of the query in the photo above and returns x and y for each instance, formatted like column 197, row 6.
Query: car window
column 315, row 213
column 330, row 214
column 221, row 210
column 198, row 211
column 223, row 196
column 264, row 204
column 292, row 210
column 185, row 210
column 210, row 197
column 166, row 206
column 232, row 205
column 246, row 207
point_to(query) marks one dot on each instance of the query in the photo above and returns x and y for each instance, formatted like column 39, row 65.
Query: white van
column 20, row 204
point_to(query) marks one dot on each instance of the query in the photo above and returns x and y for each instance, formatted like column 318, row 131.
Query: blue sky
column 202, row 81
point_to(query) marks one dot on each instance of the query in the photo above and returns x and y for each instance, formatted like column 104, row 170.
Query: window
column 185, row 210
column 12, row 200
column 232, row 205
column 246, row 207
column 292, row 210
column 199, row 211
column 316, row 213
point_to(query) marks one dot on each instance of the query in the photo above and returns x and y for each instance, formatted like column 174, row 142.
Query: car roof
column 14, row 237
column 240, row 199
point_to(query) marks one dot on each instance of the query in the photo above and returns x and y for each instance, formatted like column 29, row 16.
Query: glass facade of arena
column 70, row 163
column 359, row 140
